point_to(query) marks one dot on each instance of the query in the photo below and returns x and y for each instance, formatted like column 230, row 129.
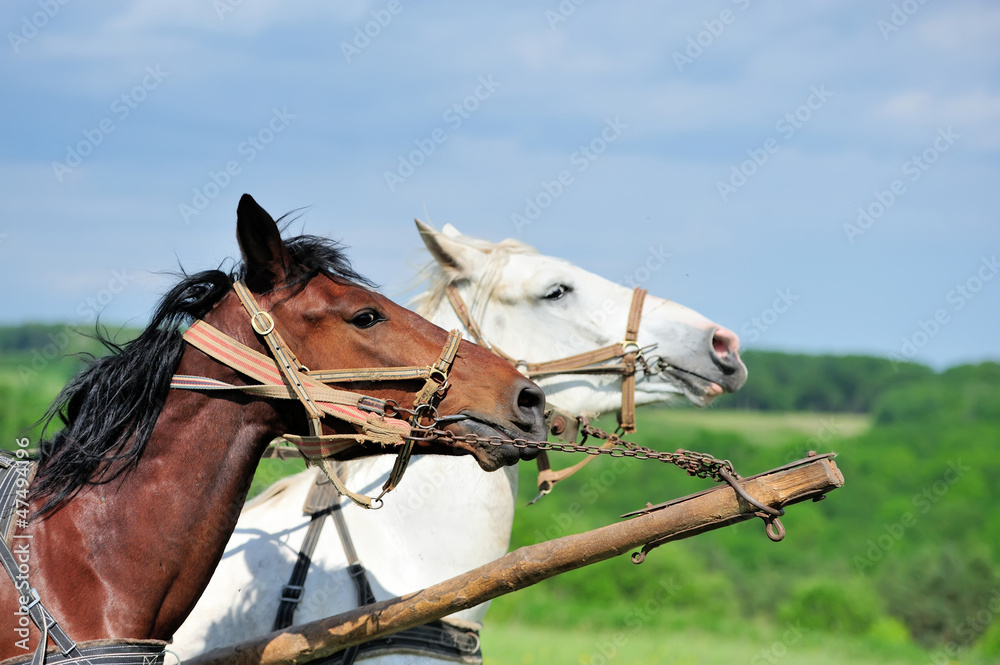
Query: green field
column 898, row 566
column 761, row 428
column 519, row 644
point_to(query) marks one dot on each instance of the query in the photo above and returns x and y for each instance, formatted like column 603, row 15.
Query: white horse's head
column 538, row 308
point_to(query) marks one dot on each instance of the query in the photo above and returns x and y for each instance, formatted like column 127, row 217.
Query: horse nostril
column 725, row 342
column 531, row 404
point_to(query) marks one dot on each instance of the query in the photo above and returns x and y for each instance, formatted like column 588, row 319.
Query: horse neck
column 149, row 541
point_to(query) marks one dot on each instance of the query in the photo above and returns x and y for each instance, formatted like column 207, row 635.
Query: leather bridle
column 626, row 354
column 282, row 376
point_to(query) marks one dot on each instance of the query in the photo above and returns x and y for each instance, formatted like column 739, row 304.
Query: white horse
column 448, row 516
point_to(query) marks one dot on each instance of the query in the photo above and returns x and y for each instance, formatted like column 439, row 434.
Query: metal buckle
column 628, row 344
column 268, row 323
column 288, row 590
column 437, row 375
column 37, row 599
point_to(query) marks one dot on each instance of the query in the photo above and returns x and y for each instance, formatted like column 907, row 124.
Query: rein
column 282, row 376
column 626, row 353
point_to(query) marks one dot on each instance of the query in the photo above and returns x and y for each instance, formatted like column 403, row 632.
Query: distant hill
column 799, row 382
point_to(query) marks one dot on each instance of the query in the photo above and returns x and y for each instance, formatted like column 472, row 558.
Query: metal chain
column 693, row 463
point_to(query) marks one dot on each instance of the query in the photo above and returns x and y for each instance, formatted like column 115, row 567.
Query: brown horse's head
column 332, row 322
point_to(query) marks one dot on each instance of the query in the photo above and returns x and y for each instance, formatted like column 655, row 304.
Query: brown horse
column 135, row 499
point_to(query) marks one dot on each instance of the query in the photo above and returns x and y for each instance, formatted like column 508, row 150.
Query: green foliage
column 796, row 382
column 832, row 605
column 962, row 394
column 36, row 361
column 940, row 593
column 905, row 552
column 920, row 486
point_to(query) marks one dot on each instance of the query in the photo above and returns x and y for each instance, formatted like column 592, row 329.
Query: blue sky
column 741, row 138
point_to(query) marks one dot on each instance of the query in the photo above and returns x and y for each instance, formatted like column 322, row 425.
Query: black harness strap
column 105, row 652
column 291, row 593
column 436, row 637
column 15, row 476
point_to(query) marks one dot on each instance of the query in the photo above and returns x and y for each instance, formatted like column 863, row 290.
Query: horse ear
column 455, row 257
column 265, row 256
column 450, row 231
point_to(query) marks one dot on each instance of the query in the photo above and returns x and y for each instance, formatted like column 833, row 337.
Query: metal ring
column 417, row 416
column 437, row 375
column 267, row 318
column 626, row 343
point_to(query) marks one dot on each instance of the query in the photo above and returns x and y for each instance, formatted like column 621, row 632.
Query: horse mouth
column 700, row 390
column 489, row 455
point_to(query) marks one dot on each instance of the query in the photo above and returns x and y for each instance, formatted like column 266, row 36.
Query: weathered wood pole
column 716, row 507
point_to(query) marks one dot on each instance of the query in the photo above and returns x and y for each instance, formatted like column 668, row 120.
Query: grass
column 520, row 644
column 762, row 428
column 269, row 471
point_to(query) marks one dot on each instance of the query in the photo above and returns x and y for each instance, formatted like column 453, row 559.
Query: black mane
column 110, row 408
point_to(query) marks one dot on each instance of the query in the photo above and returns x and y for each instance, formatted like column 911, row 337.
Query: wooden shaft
column 711, row 509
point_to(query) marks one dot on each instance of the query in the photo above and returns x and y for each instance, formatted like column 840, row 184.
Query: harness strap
column 435, row 386
column 370, row 374
column 588, row 362
column 282, row 376
column 360, row 410
column 442, row 640
column 437, row 638
column 626, row 417
column 581, row 363
column 547, row 478
column 320, row 503
column 13, row 472
column 291, row 593
column 263, row 325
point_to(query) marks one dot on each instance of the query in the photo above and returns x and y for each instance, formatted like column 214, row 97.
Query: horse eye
column 557, row 292
column 366, row 318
